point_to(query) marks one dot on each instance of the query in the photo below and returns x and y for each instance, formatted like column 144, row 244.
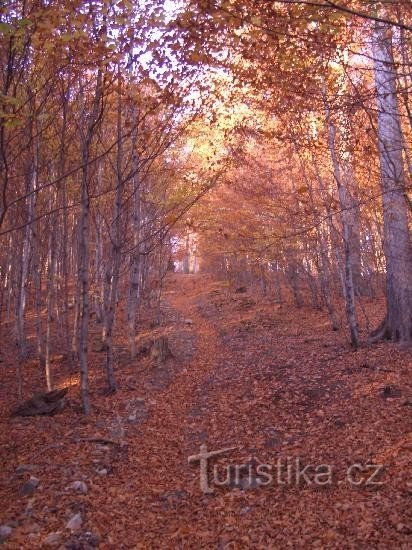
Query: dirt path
column 276, row 389
column 276, row 384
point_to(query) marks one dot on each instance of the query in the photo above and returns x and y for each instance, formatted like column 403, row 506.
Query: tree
column 397, row 325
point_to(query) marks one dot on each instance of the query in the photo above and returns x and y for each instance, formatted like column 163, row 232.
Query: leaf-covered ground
column 274, row 382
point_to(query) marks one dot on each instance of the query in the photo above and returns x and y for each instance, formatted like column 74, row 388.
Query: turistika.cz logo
column 286, row 471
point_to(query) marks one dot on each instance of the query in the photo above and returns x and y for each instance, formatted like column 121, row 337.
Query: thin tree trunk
column 349, row 289
column 37, row 272
column 51, row 269
column 84, row 247
column 135, row 267
column 27, row 246
column 83, row 277
column 115, row 256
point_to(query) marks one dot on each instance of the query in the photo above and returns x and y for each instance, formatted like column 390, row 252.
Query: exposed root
column 386, row 332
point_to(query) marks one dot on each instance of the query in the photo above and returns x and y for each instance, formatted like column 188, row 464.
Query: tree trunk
column 112, row 275
column 397, row 325
column 84, row 246
column 349, row 288
column 27, row 248
column 83, row 277
column 133, row 295
column 51, row 270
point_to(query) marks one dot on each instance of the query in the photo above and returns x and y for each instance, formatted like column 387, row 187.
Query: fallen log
column 42, row 403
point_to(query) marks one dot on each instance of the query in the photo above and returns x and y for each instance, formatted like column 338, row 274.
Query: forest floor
column 273, row 382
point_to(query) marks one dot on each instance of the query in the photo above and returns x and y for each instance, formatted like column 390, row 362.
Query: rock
column 29, row 507
column 101, row 471
column 28, row 488
column 188, row 322
column 78, row 486
column 390, row 392
column 31, row 528
column 23, row 468
column 53, row 539
column 340, row 423
column 173, row 496
column 75, row 522
column 137, row 411
column 5, row 532
column 34, row 481
column 82, row 541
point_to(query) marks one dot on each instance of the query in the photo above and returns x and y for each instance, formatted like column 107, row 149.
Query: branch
column 329, row 4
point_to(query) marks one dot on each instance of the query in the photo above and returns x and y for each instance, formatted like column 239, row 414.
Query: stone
column 137, row 411
column 390, row 392
column 82, row 541
column 79, row 486
column 31, row 528
column 28, row 488
column 75, row 522
column 23, row 468
column 34, row 481
column 53, row 539
column 5, row 532
column 29, row 507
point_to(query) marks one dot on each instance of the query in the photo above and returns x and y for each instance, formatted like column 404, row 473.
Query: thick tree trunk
column 397, row 325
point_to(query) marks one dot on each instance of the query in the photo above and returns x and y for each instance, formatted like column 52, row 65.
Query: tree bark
column 397, row 325
column 349, row 288
column 84, row 246
column 135, row 264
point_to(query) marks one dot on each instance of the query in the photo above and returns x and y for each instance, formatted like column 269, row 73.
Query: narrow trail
column 277, row 384
column 276, row 388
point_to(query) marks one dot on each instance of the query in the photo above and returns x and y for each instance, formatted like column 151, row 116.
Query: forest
column 206, row 274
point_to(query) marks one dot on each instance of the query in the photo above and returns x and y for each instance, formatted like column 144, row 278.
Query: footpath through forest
column 274, row 383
